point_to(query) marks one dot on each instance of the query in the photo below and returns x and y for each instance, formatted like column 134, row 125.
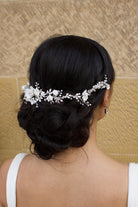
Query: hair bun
column 53, row 128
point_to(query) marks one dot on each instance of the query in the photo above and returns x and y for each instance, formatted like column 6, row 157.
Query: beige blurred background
column 25, row 24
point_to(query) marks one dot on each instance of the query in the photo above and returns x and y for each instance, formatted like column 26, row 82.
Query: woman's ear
column 106, row 99
column 99, row 113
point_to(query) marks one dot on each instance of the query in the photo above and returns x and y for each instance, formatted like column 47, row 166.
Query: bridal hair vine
column 35, row 95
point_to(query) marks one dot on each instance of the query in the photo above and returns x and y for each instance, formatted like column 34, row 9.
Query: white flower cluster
column 35, row 95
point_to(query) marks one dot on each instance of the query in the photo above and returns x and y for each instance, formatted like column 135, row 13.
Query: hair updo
column 73, row 64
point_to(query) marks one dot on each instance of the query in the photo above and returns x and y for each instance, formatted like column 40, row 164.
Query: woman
column 69, row 91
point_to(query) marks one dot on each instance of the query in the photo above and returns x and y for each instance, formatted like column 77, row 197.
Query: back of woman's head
column 73, row 64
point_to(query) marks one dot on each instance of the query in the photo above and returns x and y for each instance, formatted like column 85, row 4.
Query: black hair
column 71, row 63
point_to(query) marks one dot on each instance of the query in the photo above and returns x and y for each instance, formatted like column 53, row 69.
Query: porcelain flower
column 85, row 95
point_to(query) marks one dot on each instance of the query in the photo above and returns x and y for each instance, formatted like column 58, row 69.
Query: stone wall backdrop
column 24, row 24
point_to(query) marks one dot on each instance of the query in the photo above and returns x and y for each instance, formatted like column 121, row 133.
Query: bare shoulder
column 116, row 178
column 3, row 176
column 5, row 166
column 121, row 183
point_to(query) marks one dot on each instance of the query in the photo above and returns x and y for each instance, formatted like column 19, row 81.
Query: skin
column 71, row 179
